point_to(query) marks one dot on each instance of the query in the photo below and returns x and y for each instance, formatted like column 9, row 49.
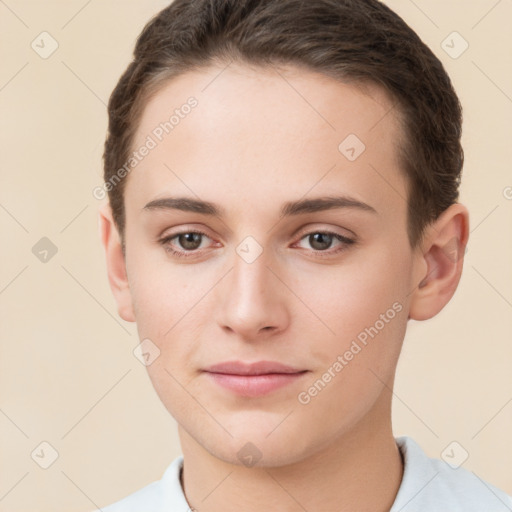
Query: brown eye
column 185, row 244
column 321, row 241
column 189, row 241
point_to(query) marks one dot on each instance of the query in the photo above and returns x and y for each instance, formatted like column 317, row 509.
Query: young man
column 283, row 182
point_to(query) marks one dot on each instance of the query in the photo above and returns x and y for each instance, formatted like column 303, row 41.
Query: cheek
column 365, row 307
column 351, row 297
column 171, row 308
column 357, row 362
column 168, row 311
column 160, row 295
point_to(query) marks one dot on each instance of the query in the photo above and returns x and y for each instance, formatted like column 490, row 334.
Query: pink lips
column 255, row 379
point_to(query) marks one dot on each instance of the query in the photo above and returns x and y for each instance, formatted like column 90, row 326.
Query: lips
column 253, row 379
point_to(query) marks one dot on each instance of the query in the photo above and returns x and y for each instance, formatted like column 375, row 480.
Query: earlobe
column 116, row 264
column 443, row 256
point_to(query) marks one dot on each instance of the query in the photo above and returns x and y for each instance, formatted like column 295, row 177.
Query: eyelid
column 324, row 229
column 171, row 232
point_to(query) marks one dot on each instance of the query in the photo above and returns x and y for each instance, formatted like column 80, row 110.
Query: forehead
column 278, row 94
column 252, row 128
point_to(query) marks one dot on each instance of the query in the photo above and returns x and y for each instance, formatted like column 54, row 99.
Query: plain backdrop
column 68, row 376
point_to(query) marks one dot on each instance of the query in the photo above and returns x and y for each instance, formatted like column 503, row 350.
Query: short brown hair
column 361, row 41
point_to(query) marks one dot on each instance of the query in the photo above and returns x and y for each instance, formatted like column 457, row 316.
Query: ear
column 442, row 254
column 116, row 265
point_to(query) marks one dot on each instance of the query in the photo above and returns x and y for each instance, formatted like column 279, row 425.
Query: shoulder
column 159, row 496
column 433, row 485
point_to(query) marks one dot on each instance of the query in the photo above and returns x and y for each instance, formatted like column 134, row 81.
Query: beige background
column 67, row 372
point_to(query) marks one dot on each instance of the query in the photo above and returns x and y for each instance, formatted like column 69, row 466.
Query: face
column 300, row 258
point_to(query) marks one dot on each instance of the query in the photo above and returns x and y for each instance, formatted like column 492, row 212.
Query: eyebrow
column 288, row 209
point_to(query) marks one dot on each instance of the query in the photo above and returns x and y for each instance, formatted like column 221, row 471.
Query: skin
column 253, row 143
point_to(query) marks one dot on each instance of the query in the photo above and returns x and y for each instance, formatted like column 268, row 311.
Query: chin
column 257, row 444
column 260, row 453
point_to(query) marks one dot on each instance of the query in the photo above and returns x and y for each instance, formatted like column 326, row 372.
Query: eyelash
column 318, row 254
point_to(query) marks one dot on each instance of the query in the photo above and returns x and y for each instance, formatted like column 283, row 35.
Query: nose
column 252, row 299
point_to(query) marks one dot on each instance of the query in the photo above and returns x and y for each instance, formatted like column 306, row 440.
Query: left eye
column 320, row 241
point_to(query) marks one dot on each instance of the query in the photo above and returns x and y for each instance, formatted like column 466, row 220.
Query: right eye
column 190, row 241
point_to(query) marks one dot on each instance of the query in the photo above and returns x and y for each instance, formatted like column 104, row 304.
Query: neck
column 361, row 470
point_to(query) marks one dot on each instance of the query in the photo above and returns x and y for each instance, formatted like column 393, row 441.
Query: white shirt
column 428, row 485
